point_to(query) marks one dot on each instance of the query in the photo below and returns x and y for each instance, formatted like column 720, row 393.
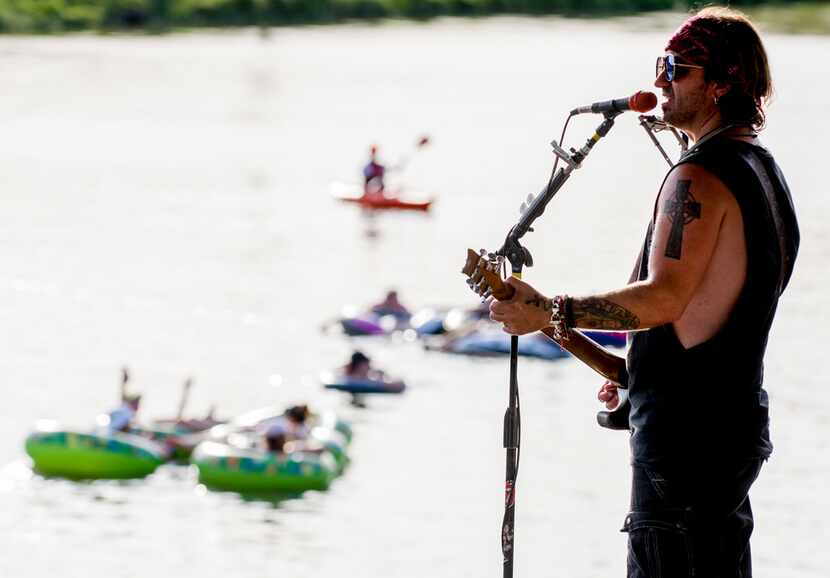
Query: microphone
column 639, row 102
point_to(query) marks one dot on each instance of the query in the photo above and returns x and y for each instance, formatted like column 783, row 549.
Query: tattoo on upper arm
column 595, row 313
column 681, row 208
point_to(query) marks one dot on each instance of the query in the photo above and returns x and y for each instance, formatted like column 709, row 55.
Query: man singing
column 718, row 253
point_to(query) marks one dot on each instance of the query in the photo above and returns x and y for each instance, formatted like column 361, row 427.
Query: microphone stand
column 519, row 257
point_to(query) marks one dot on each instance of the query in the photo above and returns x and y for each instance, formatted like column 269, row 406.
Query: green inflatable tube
column 335, row 443
column 83, row 456
column 224, row 467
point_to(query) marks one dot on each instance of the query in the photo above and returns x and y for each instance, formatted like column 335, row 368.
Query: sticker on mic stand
column 506, row 541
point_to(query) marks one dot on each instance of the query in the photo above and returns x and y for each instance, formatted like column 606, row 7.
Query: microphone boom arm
column 512, row 250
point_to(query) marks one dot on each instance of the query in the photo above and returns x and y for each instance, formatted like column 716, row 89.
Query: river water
column 166, row 206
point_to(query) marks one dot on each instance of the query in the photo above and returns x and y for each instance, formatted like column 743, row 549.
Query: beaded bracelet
column 559, row 309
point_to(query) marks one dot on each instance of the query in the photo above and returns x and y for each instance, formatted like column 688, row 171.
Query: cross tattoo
column 681, row 209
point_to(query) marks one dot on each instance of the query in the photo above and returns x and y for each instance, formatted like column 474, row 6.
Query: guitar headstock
column 483, row 271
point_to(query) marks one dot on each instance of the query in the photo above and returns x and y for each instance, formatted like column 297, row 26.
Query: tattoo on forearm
column 594, row 313
column 540, row 302
column 681, row 208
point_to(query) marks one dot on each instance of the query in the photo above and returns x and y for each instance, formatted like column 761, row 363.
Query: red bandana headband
column 699, row 41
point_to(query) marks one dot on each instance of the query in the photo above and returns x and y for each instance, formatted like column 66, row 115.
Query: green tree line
column 42, row 16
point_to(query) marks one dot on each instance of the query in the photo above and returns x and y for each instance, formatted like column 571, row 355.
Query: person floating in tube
column 358, row 367
column 290, row 426
column 391, row 306
column 121, row 418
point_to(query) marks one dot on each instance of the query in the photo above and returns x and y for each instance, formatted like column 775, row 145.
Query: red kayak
column 354, row 194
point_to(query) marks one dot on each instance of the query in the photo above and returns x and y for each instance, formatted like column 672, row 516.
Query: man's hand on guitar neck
column 527, row 311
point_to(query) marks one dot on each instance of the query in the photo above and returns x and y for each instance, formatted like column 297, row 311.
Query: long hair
column 728, row 46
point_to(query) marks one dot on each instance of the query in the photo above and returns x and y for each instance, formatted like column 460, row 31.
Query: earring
column 716, row 99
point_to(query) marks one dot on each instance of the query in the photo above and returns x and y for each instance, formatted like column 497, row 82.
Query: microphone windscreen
column 642, row 101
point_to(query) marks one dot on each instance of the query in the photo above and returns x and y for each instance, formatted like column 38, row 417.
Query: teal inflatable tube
column 224, row 467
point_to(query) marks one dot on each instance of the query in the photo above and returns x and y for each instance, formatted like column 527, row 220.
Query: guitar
column 483, row 273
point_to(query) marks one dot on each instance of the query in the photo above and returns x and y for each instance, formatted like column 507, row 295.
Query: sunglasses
column 668, row 65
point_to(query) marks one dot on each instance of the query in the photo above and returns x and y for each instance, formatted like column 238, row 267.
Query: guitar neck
column 592, row 354
column 483, row 275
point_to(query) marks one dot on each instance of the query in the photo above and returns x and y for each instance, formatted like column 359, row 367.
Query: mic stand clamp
column 601, row 131
column 653, row 125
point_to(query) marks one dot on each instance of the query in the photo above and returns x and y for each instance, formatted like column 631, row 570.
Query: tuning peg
column 530, row 198
column 522, row 208
column 486, row 295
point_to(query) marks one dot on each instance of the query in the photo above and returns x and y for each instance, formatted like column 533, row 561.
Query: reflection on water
column 166, row 206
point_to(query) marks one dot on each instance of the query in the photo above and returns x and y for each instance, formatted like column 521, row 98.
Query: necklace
column 712, row 134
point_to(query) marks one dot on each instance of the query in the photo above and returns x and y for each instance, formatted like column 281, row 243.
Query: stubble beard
column 684, row 110
column 678, row 118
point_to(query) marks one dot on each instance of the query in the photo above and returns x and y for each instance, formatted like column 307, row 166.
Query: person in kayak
column 373, row 175
column 718, row 254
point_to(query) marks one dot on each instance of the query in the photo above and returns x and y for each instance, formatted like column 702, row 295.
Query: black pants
column 691, row 522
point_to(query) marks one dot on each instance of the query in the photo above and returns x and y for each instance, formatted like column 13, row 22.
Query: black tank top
column 708, row 402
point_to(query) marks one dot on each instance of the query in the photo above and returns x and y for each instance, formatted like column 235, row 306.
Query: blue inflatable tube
column 361, row 386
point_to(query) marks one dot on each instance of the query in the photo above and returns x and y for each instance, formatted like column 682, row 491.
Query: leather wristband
column 570, row 320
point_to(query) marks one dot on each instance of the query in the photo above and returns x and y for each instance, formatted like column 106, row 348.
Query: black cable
column 518, row 401
column 518, row 432
column 562, row 142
